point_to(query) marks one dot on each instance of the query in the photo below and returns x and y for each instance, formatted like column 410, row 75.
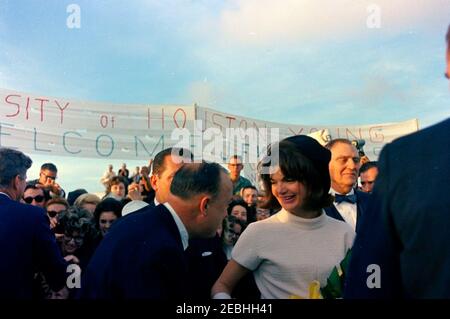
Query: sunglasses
column 78, row 240
column 52, row 213
column 38, row 199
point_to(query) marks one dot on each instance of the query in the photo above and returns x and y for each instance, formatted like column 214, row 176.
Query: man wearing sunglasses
column 26, row 241
column 34, row 196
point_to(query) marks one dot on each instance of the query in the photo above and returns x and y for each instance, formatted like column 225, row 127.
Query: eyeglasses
column 78, row 240
column 38, row 199
column 52, row 213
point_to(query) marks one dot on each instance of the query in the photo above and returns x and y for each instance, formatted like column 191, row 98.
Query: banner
column 39, row 124
column 56, row 126
column 374, row 135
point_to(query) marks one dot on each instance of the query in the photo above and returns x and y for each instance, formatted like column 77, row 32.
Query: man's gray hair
column 12, row 163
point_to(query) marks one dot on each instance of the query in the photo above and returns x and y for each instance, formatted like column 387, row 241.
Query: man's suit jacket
column 407, row 228
column 27, row 246
column 362, row 203
column 142, row 256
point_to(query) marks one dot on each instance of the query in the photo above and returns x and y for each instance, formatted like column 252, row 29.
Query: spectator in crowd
column 262, row 213
column 75, row 226
column 73, row 195
column 117, row 188
column 368, row 173
column 349, row 203
column 55, row 207
column 87, row 202
column 105, row 214
column 238, row 208
column 26, row 241
column 34, row 196
column 308, row 243
column 235, row 167
column 135, row 176
column 404, row 234
column 232, row 228
column 106, row 178
column 47, row 181
column 155, row 238
column 124, row 172
column 250, row 195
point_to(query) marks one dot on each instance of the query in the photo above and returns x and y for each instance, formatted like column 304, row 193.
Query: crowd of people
column 180, row 229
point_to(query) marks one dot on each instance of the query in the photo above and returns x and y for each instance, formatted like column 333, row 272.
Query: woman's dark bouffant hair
column 107, row 205
column 294, row 165
column 75, row 220
column 236, row 202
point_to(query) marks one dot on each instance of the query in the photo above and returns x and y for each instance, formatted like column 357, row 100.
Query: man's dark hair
column 247, row 187
column 49, row 167
column 332, row 143
column 12, row 163
column 366, row 166
column 197, row 178
column 32, row 185
column 158, row 162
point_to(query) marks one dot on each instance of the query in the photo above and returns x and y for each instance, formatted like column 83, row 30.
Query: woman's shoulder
column 338, row 225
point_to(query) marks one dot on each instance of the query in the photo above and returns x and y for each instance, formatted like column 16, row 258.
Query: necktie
column 345, row 198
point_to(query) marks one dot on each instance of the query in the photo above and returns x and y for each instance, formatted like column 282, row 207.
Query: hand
column 134, row 191
column 50, row 185
column 71, row 259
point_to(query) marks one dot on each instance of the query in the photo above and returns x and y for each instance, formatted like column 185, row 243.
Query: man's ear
column 153, row 180
column 204, row 204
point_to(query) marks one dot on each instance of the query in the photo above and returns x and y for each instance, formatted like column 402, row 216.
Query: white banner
column 375, row 135
column 56, row 126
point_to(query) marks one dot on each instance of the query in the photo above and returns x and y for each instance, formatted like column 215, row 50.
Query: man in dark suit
column 350, row 204
column 143, row 255
column 27, row 244
column 402, row 251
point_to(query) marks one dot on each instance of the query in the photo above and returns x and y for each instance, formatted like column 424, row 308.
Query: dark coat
column 142, row 256
column 27, row 246
column 406, row 230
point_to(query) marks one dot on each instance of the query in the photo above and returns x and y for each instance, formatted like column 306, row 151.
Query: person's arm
column 229, row 278
column 47, row 254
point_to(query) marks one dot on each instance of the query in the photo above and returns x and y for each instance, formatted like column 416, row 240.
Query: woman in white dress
column 299, row 245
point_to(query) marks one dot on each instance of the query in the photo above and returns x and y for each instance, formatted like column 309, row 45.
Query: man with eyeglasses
column 34, row 196
column 235, row 167
column 27, row 244
column 47, row 181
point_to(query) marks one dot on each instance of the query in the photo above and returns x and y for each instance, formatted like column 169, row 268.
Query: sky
column 328, row 62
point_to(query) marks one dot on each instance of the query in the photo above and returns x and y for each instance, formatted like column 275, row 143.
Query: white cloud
column 267, row 21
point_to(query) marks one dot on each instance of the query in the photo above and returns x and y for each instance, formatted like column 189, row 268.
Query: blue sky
column 306, row 62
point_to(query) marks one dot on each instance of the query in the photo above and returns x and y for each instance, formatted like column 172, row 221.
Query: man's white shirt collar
column 333, row 192
column 181, row 228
